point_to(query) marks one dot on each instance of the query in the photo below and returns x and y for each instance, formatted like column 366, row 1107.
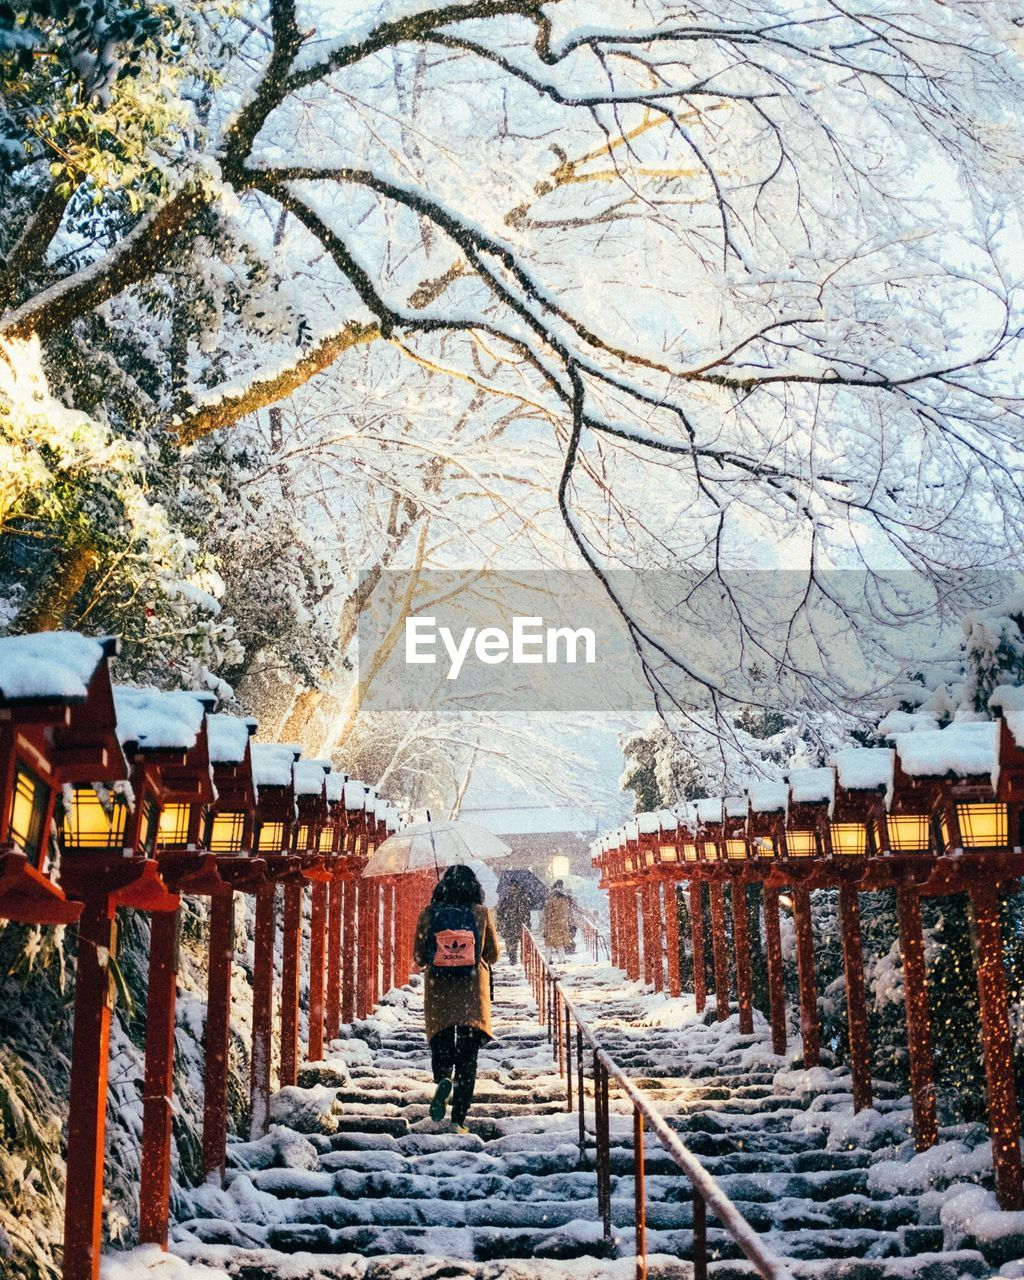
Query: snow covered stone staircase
column 354, row 1180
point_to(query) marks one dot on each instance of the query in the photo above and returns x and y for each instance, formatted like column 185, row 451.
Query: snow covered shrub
column 34, row 1049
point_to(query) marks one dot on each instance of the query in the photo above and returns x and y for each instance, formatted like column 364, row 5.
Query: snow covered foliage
column 36, row 994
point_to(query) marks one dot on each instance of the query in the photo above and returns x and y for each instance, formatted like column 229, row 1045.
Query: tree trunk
column 49, row 606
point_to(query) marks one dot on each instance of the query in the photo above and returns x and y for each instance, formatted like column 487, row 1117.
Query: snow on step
column 372, row 1187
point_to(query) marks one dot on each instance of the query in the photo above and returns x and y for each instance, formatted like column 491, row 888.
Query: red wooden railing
column 557, row 1013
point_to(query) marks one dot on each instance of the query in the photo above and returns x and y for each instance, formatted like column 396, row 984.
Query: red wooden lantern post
column 166, row 739
column 743, row 851
column 646, row 827
column 350, row 920
column 610, row 860
column 669, row 869
column 58, row 729
column 630, row 867
column 906, row 838
column 690, row 854
column 98, row 830
column 710, row 838
column 335, row 830
column 949, row 773
column 312, row 820
column 356, row 838
column 796, row 852
column 863, row 777
column 773, row 965
column 273, row 765
column 365, row 956
column 230, row 839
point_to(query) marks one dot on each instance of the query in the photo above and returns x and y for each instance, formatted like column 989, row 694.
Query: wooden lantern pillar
column 700, row 989
column 632, row 917
column 230, row 839
column 646, row 827
column 773, row 963
column 862, row 778
column 350, row 905
column 810, row 1027
column 795, row 853
column 57, row 732
column 273, row 768
column 909, row 843
column 974, row 827
column 814, row 797
column 173, row 785
column 711, row 843
column 737, row 859
column 313, row 844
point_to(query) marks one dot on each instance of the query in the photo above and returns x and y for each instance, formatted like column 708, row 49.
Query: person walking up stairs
column 456, row 945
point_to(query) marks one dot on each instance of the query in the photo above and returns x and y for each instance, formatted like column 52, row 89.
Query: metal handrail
column 552, row 1003
column 592, row 935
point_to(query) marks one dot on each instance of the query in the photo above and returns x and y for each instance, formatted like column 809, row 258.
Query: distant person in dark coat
column 513, row 914
column 456, row 997
column 557, row 922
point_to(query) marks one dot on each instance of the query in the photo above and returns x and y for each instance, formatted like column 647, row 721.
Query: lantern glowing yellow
column 908, row 832
column 271, row 837
column 91, row 823
column 983, row 826
column 227, row 831
column 326, row 841
column 801, row 844
column 668, row 853
column 736, row 848
column 172, row 831
column 849, row 838
column 28, row 812
column 689, row 852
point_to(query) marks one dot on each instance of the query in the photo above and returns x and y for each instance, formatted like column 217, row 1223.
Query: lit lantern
column 863, row 783
column 944, row 788
column 165, row 738
column 311, row 803
column 849, row 839
column 332, row 830
column 560, row 866
column 231, row 820
column 273, row 766
column 908, row 832
column 93, row 818
column 801, row 844
column 709, row 815
column 810, row 797
column 354, row 798
column 56, row 734
column 766, row 818
column 983, row 826
column 30, row 805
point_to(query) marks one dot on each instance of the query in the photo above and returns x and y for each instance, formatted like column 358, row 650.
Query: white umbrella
column 433, row 845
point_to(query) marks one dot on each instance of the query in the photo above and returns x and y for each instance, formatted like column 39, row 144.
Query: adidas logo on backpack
column 456, row 935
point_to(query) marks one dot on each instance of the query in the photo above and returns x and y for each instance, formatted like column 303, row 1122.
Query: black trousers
column 455, row 1050
column 512, row 946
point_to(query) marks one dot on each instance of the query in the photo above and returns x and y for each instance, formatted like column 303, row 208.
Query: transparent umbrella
column 431, row 846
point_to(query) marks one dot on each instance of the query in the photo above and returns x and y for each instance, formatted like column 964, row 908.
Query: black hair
column 458, row 887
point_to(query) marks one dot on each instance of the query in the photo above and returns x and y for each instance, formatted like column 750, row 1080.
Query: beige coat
column 556, row 920
column 465, row 1000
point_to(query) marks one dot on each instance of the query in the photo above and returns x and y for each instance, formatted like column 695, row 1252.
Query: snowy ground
column 354, row 1180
